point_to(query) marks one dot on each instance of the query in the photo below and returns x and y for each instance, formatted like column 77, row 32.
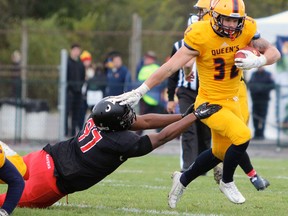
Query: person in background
column 118, row 75
column 197, row 137
column 95, row 86
column 105, row 143
column 16, row 86
column 152, row 102
column 86, row 58
column 74, row 98
column 260, row 85
column 12, row 176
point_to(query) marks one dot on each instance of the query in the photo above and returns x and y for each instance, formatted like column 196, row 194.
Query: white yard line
column 133, row 210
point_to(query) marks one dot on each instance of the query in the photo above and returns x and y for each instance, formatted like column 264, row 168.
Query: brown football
column 240, row 54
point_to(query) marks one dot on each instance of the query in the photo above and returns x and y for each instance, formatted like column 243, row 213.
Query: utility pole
column 135, row 45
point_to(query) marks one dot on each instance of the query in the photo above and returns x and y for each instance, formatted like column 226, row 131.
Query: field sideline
column 141, row 185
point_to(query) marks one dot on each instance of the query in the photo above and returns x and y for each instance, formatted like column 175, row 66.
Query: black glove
column 205, row 110
column 188, row 111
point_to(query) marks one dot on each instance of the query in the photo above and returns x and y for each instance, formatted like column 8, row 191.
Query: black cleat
column 259, row 182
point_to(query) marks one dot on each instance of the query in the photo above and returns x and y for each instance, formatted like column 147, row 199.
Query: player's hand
column 205, row 110
column 132, row 98
column 189, row 110
column 171, row 107
column 251, row 61
column 190, row 77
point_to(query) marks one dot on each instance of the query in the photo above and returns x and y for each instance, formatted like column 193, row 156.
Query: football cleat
column 176, row 190
column 231, row 192
column 259, row 183
column 217, row 171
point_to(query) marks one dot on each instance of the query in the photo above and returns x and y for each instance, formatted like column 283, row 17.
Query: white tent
column 273, row 26
column 269, row 28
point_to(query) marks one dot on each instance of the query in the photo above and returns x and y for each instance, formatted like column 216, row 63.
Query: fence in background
column 39, row 117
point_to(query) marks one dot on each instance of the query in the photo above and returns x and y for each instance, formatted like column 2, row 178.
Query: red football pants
column 40, row 189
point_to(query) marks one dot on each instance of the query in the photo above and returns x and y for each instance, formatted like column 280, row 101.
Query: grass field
column 141, row 185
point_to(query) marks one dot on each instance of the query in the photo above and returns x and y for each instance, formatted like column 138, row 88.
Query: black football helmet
column 109, row 115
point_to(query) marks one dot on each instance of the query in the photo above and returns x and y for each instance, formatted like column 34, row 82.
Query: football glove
column 188, row 111
column 205, row 110
column 132, row 98
column 251, row 61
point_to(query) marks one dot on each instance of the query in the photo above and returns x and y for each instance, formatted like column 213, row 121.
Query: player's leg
column 10, row 175
column 203, row 163
column 228, row 122
column 40, row 189
column 258, row 182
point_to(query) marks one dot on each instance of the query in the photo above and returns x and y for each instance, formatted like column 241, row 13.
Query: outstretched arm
column 180, row 58
column 171, row 131
column 175, row 129
column 153, row 121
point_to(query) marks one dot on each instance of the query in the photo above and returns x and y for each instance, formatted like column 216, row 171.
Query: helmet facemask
column 202, row 14
column 128, row 118
column 226, row 31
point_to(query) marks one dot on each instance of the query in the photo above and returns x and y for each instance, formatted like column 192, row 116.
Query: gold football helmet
column 234, row 9
column 203, row 7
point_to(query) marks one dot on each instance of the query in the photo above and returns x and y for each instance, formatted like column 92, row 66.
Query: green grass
column 141, row 185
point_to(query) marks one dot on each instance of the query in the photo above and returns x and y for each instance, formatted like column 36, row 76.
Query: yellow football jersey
column 218, row 76
column 219, row 82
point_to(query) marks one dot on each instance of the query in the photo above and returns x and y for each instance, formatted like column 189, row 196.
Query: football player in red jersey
column 214, row 44
column 101, row 147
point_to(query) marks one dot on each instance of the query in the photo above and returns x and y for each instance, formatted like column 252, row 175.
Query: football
column 240, row 54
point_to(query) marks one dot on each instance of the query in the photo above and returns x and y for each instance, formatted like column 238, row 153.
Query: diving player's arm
column 175, row 129
column 147, row 143
column 153, row 121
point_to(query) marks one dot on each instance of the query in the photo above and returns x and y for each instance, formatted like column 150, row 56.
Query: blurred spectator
column 95, row 86
column 16, row 74
column 75, row 79
column 152, row 102
column 285, row 121
column 118, row 76
column 139, row 66
column 260, row 85
column 16, row 61
column 86, row 58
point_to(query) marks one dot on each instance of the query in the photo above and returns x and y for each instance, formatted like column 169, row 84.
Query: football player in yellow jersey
column 10, row 175
column 258, row 182
column 214, row 44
